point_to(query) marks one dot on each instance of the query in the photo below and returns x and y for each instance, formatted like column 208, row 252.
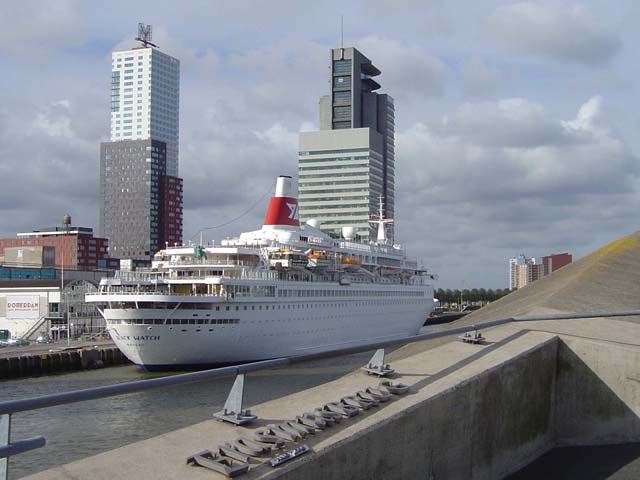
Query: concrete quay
column 473, row 411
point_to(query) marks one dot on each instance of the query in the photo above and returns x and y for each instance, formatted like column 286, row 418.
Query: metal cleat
column 232, row 411
column 218, row 463
column 395, row 388
column 342, row 409
column 376, row 365
column 380, row 394
column 350, row 400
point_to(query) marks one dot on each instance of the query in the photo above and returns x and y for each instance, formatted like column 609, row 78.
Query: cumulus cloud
column 514, row 122
column 526, row 188
column 407, row 70
column 556, row 31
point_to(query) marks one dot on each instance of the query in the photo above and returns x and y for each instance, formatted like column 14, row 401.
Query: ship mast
column 381, row 222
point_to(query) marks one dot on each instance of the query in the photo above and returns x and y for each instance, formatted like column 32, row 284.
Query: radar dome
column 313, row 223
column 349, row 233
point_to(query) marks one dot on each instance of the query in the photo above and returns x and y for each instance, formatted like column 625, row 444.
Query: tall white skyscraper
column 145, row 99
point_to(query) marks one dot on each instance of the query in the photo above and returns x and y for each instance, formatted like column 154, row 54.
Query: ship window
column 227, row 308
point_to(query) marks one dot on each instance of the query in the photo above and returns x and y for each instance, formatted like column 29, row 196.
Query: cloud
column 491, row 198
column 513, row 122
column 407, row 71
column 555, row 31
column 478, row 79
column 30, row 28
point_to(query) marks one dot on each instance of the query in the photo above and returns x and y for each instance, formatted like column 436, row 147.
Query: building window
column 342, row 82
column 342, row 66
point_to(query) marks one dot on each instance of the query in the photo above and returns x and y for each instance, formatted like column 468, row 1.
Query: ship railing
column 214, row 263
column 243, row 273
column 9, row 408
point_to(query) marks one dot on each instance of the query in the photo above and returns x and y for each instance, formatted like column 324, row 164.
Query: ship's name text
column 138, row 337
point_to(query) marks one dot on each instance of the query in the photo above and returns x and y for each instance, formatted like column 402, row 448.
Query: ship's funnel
column 283, row 208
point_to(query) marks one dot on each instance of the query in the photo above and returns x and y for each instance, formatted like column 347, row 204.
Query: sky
column 516, row 122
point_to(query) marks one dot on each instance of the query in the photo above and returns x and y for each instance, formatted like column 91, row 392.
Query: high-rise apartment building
column 145, row 99
column 346, row 167
column 140, row 192
column 140, row 206
column 524, row 270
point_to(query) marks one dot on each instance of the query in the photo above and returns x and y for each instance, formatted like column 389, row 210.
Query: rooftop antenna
column 341, row 31
column 144, row 35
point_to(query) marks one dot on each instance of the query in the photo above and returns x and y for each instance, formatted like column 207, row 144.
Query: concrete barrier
column 597, row 393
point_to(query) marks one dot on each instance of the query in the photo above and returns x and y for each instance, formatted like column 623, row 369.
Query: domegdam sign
column 23, row 306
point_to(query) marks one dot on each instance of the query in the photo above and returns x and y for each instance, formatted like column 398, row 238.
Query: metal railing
column 10, row 407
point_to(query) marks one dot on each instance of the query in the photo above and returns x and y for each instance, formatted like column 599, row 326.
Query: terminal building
column 44, row 276
column 34, row 302
column 64, row 246
column 346, row 167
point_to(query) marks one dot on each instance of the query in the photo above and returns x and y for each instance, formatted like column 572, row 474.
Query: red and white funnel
column 283, row 208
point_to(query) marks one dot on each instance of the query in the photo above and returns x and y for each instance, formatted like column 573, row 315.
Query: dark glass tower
column 342, row 175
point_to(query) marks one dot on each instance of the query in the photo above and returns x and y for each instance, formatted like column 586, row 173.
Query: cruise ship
column 284, row 290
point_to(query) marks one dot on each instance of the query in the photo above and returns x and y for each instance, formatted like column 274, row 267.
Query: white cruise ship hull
column 285, row 290
column 254, row 330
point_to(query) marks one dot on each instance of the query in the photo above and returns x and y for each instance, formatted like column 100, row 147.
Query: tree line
column 469, row 296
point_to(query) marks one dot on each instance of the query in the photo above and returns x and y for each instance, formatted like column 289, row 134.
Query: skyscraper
column 346, row 167
column 140, row 192
column 145, row 99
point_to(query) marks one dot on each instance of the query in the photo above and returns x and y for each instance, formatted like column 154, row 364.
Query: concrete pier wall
column 484, row 427
column 597, row 393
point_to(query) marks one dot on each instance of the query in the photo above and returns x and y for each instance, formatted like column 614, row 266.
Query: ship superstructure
column 284, row 290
